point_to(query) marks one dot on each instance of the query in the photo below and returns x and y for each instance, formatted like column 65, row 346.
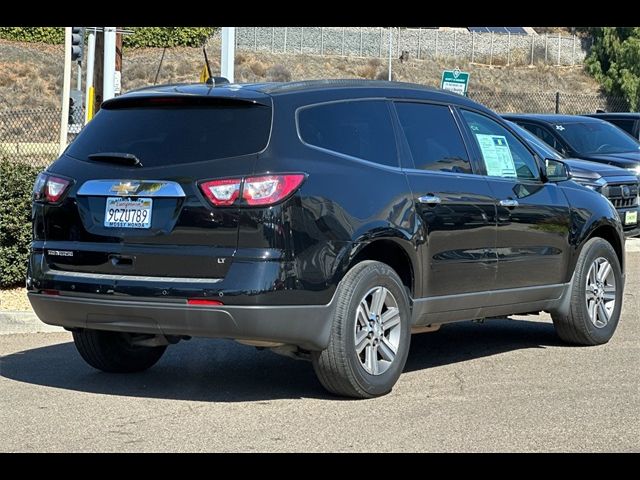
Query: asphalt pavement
column 505, row 385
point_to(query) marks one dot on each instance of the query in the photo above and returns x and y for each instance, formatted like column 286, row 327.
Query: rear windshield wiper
column 116, row 157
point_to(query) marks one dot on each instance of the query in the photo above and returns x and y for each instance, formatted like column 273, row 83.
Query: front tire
column 370, row 334
column 113, row 353
column 596, row 297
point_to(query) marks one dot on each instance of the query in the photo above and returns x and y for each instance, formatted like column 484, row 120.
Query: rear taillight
column 50, row 188
column 270, row 188
column 263, row 190
column 222, row 192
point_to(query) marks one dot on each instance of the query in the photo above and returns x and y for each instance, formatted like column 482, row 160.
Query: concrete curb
column 24, row 322
column 632, row 245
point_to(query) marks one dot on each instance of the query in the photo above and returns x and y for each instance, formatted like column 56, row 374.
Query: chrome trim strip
column 135, row 278
column 131, row 188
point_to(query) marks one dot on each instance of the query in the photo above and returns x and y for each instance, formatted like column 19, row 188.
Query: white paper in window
column 497, row 155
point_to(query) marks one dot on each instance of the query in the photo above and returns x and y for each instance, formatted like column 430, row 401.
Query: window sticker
column 497, row 155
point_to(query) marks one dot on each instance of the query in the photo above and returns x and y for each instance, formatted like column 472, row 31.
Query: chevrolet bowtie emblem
column 125, row 188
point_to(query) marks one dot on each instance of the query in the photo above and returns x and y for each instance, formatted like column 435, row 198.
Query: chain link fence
column 31, row 136
column 548, row 102
column 422, row 43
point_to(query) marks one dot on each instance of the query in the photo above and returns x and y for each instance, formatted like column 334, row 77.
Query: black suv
column 619, row 185
column 586, row 138
column 326, row 220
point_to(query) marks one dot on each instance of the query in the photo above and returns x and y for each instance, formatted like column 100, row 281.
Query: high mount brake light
column 49, row 188
column 261, row 190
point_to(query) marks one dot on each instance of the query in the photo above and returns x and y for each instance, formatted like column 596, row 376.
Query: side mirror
column 556, row 170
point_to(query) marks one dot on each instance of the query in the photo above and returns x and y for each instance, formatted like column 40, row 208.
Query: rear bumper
column 304, row 326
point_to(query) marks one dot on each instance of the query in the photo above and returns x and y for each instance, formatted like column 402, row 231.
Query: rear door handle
column 509, row 203
column 430, row 199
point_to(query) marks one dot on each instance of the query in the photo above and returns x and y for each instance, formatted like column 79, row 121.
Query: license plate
column 128, row 212
column 631, row 218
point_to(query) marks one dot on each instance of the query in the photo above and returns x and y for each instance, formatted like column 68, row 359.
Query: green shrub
column 141, row 36
column 15, row 220
column 33, row 34
column 168, row 36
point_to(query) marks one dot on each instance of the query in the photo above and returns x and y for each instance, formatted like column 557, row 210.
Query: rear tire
column 366, row 353
column 111, row 351
column 596, row 297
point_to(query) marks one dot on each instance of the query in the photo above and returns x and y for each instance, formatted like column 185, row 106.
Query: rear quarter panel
column 343, row 205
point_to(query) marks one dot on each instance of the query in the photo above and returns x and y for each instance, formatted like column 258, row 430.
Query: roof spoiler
column 217, row 81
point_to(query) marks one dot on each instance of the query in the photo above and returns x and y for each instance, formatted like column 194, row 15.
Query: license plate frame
column 631, row 217
column 124, row 212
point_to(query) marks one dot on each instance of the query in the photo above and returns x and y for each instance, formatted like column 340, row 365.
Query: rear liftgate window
column 174, row 134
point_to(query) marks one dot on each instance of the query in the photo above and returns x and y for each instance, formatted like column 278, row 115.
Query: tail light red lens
column 262, row 190
column 270, row 189
column 222, row 192
column 50, row 188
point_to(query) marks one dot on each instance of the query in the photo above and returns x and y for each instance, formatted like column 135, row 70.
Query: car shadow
column 225, row 371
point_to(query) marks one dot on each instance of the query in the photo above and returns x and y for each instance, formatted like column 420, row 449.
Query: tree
column 614, row 61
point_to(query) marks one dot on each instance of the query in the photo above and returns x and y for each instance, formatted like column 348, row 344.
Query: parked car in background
column 585, row 138
column 627, row 121
column 620, row 186
column 326, row 220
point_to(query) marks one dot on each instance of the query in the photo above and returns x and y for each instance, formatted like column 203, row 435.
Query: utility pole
column 99, row 71
column 118, row 71
column 90, row 94
column 66, row 88
column 109, row 63
column 228, row 52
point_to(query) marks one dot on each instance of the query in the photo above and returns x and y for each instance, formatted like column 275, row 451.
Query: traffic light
column 77, row 43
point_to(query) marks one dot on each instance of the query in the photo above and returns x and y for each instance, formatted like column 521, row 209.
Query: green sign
column 455, row 81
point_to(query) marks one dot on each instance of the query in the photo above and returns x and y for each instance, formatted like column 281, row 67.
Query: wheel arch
column 610, row 234
column 391, row 252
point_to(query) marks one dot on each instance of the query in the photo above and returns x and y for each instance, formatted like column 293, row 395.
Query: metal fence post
column 343, row 30
column 546, row 48
column 360, row 41
column 559, row 43
column 301, row 38
column 255, row 39
column 455, row 47
column 573, row 54
column 533, row 42
column 419, row 39
column 380, row 44
column 285, row 39
column 557, row 102
column 398, row 43
column 473, row 46
column 491, row 51
column 508, row 48
column 321, row 40
column 273, row 38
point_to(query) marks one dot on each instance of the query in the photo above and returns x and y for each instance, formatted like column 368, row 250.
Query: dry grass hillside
column 31, row 74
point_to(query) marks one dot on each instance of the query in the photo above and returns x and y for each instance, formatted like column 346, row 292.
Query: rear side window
column 626, row 125
column 174, row 135
column 433, row 137
column 361, row 129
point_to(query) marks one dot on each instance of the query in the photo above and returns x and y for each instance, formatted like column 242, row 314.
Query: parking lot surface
column 505, row 385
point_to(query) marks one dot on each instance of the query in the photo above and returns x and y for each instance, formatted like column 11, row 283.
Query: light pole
column 390, row 43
